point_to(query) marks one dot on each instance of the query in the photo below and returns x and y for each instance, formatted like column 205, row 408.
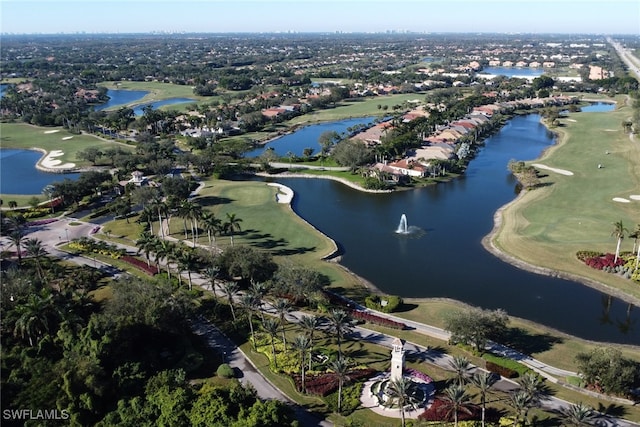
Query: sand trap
column 52, row 131
column 635, row 197
column 51, row 162
column 621, row 200
column 66, row 138
column 285, row 194
column 560, row 171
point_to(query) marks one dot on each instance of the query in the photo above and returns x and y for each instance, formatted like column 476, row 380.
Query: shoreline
column 489, row 245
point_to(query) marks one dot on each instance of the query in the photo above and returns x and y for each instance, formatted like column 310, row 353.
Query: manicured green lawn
column 21, row 135
column 548, row 225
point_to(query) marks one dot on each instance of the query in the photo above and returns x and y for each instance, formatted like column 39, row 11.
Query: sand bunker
column 621, row 200
column 635, row 197
column 51, row 162
column 285, row 194
column 52, row 131
column 66, row 138
column 560, row 171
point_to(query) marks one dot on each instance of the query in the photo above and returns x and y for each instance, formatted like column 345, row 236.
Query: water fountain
column 402, row 226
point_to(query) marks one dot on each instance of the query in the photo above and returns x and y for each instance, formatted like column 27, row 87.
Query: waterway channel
column 448, row 260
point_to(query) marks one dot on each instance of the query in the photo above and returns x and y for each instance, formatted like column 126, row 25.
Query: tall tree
column 232, row 224
column 230, row 290
column 520, row 401
column 398, row 394
column 340, row 369
column 483, row 381
column 282, row 308
column 271, row 326
column 461, row 367
column 456, row 401
column 250, row 304
column 301, row 343
column 618, row 232
column 35, row 317
column 147, row 243
column 35, row 249
column 310, row 324
column 340, row 322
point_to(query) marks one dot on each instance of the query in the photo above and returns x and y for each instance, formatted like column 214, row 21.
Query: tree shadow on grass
column 213, row 200
column 612, row 410
column 528, row 343
column 405, row 307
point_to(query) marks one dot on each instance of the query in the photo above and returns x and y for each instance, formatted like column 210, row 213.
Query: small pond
column 513, row 71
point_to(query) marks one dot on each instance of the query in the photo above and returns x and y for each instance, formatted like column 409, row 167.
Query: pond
column 18, row 174
column 513, row 72
column 448, row 260
column 307, row 137
column 598, row 107
column 123, row 98
column 3, row 87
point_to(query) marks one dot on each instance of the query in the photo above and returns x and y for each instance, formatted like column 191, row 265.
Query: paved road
column 627, row 57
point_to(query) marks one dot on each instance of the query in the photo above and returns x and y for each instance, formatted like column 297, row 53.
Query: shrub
column 225, row 371
column 583, row 255
column 386, row 304
column 500, row 370
column 350, row 399
column 378, row 320
column 142, row 265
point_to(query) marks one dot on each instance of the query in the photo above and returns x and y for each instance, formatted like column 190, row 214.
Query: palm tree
column 461, row 366
column 34, row 317
column 579, row 415
column 340, row 322
column 187, row 261
column 301, row 343
column 483, row 380
column 230, row 289
column 520, row 401
column 164, row 251
column 310, row 324
column 195, row 214
column 532, row 384
column 35, row 249
column 250, row 303
column 184, row 212
column 258, row 290
column 17, row 238
column 398, row 393
column 212, row 273
column 340, row 369
column 146, row 215
column 212, row 225
column 271, row 326
column 456, row 401
column 159, row 206
column 232, row 224
column 147, row 243
column 636, row 246
column 618, row 232
column 282, row 307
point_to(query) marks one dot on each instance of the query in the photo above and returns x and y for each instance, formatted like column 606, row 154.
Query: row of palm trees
column 194, row 214
column 529, row 395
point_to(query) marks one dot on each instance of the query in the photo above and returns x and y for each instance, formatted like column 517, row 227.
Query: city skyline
column 373, row 16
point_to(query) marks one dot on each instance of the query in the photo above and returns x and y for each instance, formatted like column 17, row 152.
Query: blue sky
column 503, row 16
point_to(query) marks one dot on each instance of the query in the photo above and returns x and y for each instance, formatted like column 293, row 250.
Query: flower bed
column 142, row 265
column 419, row 375
column 86, row 245
column 624, row 266
column 378, row 320
column 41, row 222
column 327, row 383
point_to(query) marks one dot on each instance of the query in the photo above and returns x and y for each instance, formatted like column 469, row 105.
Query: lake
column 18, row 174
column 308, row 136
column 448, row 260
column 123, row 98
column 513, row 71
